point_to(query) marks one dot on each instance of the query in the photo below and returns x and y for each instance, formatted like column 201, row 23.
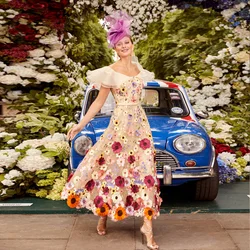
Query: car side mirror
column 77, row 116
column 201, row 115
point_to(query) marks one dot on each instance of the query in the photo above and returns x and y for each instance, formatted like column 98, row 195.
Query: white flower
column 1, row 170
column 11, row 141
column 10, row 79
column 8, row 157
column 12, row 174
column 33, row 152
column 8, row 183
column 46, row 77
column 55, row 53
column 228, row 13
column 242, row 56
column 55, row 137
column 21, row 71
column 50, row 39
column 13, row 95
column 3, row 191
column 32, row 143
column 227, row 157
column 3, row 134
column 217, row 72
column 247, row 157
column 247, row 169
column 36, row 53
column 35, row 162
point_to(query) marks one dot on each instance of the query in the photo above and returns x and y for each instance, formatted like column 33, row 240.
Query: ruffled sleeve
column 146, row 75
column 101, row 77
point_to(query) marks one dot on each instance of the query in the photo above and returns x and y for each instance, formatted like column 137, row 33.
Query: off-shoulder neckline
column 124, row 74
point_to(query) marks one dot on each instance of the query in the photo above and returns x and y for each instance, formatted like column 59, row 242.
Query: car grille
column 165, row 158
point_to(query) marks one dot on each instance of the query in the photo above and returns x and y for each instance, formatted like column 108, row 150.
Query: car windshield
column 155, row 101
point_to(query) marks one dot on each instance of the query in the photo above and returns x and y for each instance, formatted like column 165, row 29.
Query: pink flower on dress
column 98, row 201
column 145, row 143
column 90, row 185
column 149, row 181
column 117, row 147
column 129, row 201
column 131, row 159
column 135, row 189
column 119, row 181
column 101, row 161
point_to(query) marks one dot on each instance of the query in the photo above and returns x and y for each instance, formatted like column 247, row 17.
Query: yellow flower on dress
column 148, row 213
column 116, row 122
column 120, row 213
column 73, row 200
column 103, row 211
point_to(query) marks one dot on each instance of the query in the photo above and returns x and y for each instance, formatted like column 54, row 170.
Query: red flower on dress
column 119, row 181
column 149, row 181
column 131, row 159
column 101, row 161
column 136, row 205
column 98, row 201
column 145, row 143
column 117, row 147
column 90, row 185
column 129, row 201
column 135, row 189
column 105, row 190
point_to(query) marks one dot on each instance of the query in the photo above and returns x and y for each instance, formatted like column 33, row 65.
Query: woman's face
column 124, row 47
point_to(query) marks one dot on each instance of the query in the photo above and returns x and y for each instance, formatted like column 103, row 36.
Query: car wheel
column 207, row 189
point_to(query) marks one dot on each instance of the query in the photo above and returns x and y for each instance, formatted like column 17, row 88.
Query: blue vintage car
column 184, row 152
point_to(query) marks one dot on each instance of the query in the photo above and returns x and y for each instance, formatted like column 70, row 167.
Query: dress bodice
column 125, row 89
column 129, row 92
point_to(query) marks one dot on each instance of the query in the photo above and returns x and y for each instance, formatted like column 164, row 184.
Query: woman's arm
column 95, row 106
column 93, row 110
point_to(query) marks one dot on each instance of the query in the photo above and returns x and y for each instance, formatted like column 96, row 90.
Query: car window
column 155, row 101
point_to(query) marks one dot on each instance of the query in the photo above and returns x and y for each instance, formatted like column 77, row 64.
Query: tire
column 207, row 189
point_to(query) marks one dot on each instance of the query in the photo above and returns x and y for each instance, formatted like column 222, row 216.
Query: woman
column 117, row 177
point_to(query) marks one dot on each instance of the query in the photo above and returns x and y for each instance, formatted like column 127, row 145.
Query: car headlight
column 82, row 144
column 189, row 144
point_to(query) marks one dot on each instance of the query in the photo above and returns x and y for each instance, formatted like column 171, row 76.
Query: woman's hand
column 74, row 131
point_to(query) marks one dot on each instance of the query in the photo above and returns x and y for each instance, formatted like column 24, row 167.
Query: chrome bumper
column 169, row 173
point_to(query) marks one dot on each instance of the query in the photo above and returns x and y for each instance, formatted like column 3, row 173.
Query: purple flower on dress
column 90, row 185
column 129, row 200
column 108, row 177
column 134, row 84
column 136, row 174
column 145, row 143
column 98, row 201
column 149, row 181
column 135, row 189
column 130, row 117
column 137, row 133
column 117, row 147
column 131, row 159
column 119, row 181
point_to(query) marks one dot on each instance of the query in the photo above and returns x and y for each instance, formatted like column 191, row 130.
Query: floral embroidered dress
column 117, row 177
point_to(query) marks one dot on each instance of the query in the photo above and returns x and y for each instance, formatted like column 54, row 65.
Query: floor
column 77, row 232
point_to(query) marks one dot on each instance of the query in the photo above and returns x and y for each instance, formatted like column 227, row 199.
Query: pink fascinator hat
column 119, row 23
